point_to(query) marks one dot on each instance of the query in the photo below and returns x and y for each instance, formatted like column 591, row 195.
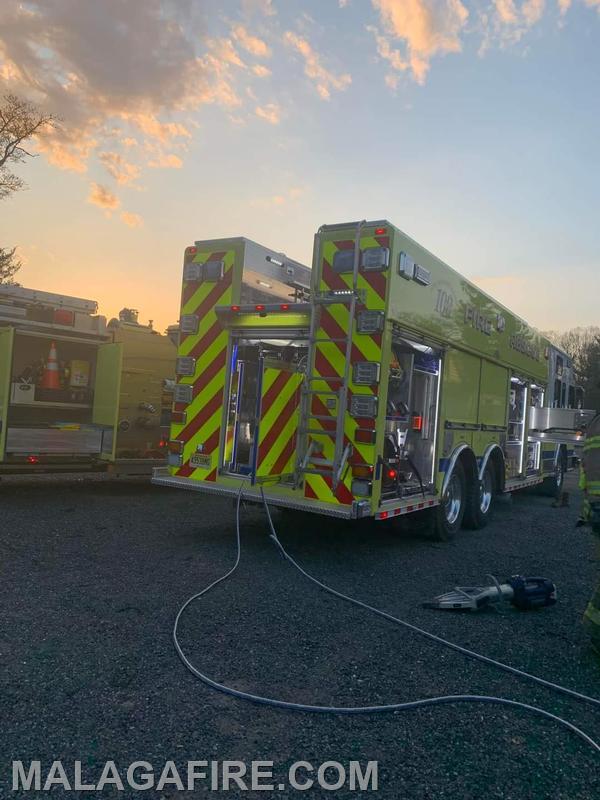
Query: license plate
column 200, row 460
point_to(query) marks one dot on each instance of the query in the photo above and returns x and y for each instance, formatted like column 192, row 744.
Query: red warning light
column 380, row 231
column 391, row 473
column 284, row 307
column 33, row 459
column 191, row 250
column 383, row 515
column 259, row 308
column 235, row 308
column 417, row 422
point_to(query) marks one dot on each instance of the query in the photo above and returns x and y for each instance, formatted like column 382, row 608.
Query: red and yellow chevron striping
column 278, row 426
column 329, row 361
column 201, row 432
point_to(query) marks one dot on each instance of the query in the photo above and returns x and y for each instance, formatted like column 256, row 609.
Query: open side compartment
column 61, row 422
column 263, row 407
column 412, row 413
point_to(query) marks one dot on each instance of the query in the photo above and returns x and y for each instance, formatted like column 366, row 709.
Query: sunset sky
column 473, row 125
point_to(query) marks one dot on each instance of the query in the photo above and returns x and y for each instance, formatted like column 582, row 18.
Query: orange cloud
column 131, row 220
column 135, row 72
column 254, row 45
column 426, row 28
column 102, row 197
column 261, row 71
column 270, row 113
column 324, row 80
column 167, row 160
column 118, row 168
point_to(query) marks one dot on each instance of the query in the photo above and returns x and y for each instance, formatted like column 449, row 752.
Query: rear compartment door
column 275, row 449
column 106, row 396
column 6, row 349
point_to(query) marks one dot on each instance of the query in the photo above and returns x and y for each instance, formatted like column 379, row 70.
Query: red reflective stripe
column 331, row 279
column 209, row 373
column 203, row 416
column 309, row 491
column 335, row 331
column 210, row 301
column 324, row 367
column 279, row 424
column 377, row 281
column 345, row 244
column 274, row 391
column 285, row 455
column 190, row 288
column 212, row 476
column 342, row 493
column 212, row 442
column 185, row 471
column 205, row 342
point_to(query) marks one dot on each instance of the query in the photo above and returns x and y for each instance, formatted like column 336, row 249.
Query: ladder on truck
column 309, row 460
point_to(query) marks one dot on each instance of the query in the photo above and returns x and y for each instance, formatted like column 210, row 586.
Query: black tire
column 448, row 516
column 480, row 499
column 552, row 487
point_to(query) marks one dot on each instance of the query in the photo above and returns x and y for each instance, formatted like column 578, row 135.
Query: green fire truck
column 378, row 383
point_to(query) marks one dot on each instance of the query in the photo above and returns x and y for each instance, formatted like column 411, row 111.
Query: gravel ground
column 94, row 571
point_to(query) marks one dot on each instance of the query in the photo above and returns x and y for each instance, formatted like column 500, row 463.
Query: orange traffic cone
column 50, row 378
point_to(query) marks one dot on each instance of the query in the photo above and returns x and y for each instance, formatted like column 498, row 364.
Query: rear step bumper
column 161, row 477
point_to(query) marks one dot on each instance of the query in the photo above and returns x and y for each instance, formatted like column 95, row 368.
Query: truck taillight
column 417, row 422
column 362, row 471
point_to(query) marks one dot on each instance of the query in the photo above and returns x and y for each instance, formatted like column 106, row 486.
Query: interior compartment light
column 265, row 284
column 274, row 261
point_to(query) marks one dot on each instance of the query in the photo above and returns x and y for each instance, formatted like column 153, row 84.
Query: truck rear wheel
column 448, row 516
column 480, row 502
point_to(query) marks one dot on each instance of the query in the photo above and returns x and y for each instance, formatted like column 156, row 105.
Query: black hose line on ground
column 375, row 709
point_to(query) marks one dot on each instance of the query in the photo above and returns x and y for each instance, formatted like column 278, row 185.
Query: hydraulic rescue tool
column 523, row 593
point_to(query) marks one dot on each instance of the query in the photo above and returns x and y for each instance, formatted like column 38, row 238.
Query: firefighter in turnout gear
column 589, row 482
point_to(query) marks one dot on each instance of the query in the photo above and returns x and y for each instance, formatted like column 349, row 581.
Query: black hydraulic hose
column 374, row 709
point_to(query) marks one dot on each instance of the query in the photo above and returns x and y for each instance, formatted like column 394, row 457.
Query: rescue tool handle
column 532, row 592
